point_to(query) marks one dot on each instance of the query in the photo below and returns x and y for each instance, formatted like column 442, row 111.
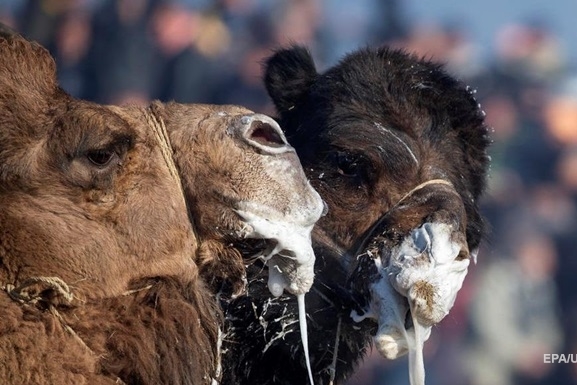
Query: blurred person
column 121, row 53
column 560, row 112
column 447, row 43
column 244, row 86
column 505, row 184
column 530, row 154
column 389, row 22
column 296, row 21
column 237, row 14
column 526, row 148
column 514, row 312
column 463, row 55
column 553, row 210
column 531, row 50
column 188, row 44
column 249, row 24
column 524, row 151
column 561, row 123
column 63, row 27
column 347, row 25
column 291, row 22
column 71, row 44
column 39, row 19
column 531, row 131
column 502, row 115
column 528, row 59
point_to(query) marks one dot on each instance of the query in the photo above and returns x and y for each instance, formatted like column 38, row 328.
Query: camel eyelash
column 102, row 156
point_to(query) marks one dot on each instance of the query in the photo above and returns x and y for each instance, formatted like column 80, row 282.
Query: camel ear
column 7, row 32
column 28, row 84
column 29, row 70
column 288, row 75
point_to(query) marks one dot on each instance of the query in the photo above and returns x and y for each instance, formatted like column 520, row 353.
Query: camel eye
column 101, row 158
column 348, row 164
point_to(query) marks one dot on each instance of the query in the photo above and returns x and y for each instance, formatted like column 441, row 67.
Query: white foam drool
column 427, row 255
column 304, row 334
column 390, row 308
column 291, row 262
column 392, row 339
column 415, row 341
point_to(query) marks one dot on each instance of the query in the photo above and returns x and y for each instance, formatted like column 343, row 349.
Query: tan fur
column 218, row 178
column 426, row 291
column 103, row 266
column 103, row 231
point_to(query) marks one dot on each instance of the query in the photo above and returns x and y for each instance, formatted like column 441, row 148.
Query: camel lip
column 252, row 248
column 371, row 312
column 372, row 242
column 391, row 310
column 388, row 308
column 291, row 260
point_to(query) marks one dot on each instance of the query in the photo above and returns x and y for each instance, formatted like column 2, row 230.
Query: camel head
column 397, row 148
column 244, row 183
column 85, row 195
column 102, row 195
column 98, row 201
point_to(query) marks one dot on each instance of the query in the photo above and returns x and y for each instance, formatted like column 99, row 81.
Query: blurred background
column 520, row 301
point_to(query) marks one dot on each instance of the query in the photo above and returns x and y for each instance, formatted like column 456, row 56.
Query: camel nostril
column 265, row 134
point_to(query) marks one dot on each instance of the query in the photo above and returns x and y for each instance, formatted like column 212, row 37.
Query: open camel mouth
column 289, row 254
column 413, row 284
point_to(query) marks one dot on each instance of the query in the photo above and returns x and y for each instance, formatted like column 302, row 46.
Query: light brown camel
column 102, row 240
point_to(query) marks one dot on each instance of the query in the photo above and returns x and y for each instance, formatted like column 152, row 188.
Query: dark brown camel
column 397, row 149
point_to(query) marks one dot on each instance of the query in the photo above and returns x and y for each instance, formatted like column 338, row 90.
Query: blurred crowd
column 206, row 51
column 520, row 301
